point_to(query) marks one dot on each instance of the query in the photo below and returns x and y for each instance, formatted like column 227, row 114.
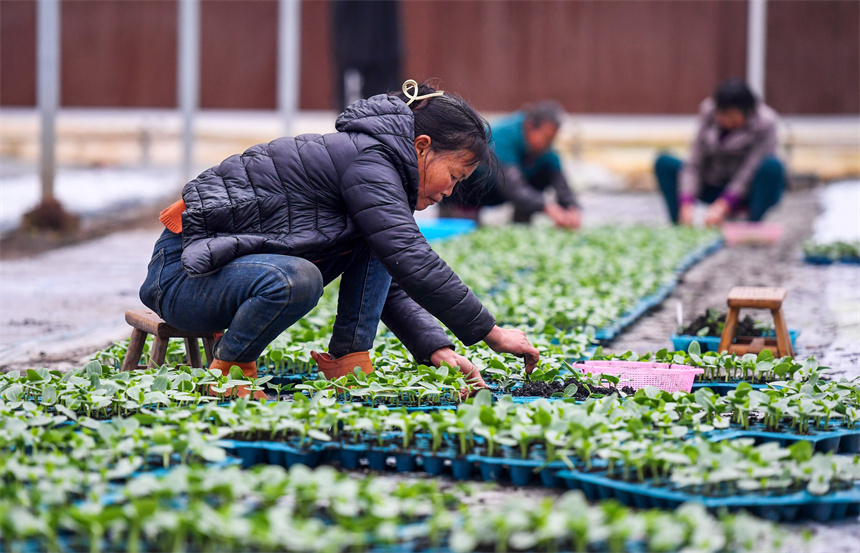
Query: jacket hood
column 387, row 119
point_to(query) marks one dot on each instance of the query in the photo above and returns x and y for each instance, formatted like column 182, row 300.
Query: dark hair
column 453, row 125
column 545, row 111
column 735, row 94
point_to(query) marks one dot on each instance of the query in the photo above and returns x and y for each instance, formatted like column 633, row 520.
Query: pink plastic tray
column 637, row 374
column 735, row 232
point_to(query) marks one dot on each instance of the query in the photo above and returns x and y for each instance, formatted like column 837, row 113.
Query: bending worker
column 732, row 165
column 522, row 143
column 255, row 239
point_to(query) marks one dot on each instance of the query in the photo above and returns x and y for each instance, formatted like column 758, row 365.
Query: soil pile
column 540, row 388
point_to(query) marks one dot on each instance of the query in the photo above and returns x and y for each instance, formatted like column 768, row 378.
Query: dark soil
column 540, row 388
column 715, row 322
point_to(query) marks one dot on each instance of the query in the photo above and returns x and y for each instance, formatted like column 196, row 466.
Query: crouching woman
column 254, row 240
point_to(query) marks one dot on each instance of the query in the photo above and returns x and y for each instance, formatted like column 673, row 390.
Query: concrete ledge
column 624, row 145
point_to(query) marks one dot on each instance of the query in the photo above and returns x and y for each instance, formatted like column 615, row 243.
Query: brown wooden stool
column 756, row 298
column 146, row 322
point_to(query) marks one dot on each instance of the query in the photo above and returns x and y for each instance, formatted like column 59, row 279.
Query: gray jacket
column 315, row 196
column 730, row 163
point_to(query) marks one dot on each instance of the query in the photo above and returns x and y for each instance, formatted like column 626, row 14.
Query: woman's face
column 731, row 119
column 438, row 172
column 539, row 138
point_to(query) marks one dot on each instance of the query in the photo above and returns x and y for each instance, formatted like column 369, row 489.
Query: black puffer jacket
column 314, row 196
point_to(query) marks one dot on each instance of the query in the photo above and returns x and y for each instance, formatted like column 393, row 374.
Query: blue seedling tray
column 429, row 408
column 785, row 508
column 824, row 260
column 681, row 342
column 723, row 388
column 836, row 441
column 288, row 379
column 440, row 229
column 817, row 260
column 529, row 399
column 277, row 453
column 519, row 472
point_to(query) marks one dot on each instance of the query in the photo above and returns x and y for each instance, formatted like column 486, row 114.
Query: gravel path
column 822, row 301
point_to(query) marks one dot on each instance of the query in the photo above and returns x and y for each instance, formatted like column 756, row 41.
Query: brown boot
column 342, row 366
column 248, row 369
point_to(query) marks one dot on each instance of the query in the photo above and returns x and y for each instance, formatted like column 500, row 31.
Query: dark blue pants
column 767, row 187
column 256, row 297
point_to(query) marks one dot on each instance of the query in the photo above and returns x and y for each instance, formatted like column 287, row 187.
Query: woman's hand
column 470, row 371
column 509, row 340
column 574, row 217
column 686, row 213
column 716, row 214
column 563, row 218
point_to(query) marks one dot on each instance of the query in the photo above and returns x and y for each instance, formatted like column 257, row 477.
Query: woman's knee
column 771, row 169
column 292, row 280
column 666, row 163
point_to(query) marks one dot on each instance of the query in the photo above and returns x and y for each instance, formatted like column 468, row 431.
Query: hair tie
column 410, row 84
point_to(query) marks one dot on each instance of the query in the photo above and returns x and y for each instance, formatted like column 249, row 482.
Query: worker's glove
column 342, row 366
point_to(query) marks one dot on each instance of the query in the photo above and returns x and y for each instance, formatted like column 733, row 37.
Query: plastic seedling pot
column 275, row 455
column 462, row 468
column 309, row 457
column 522, row 472
column 404, row 461
column 850, row 443
column 351, row 455
column 376, row 458
column 549, row 474
column 491, row 468
column 249, row 453
column 329, row 453
column 433, row 464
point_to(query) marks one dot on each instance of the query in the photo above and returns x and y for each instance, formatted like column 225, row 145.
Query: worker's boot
column 342, row 366
column 248, row 369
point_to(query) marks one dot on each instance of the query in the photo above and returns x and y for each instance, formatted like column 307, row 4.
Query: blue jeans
column 767, row 187
column 256, row 297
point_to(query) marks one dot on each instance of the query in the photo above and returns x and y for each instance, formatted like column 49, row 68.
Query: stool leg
column 729, row 330
column 135, row 350
column 783, row 338
column 193, row 351
column 208, row 348
column 158, row 352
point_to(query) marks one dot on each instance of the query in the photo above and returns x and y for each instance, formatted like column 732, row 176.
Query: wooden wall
column 813, row 56
column 17, row 53
column 612, row 56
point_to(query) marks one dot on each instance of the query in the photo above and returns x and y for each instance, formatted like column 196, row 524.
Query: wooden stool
column 756, row 298
column 146, row 322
